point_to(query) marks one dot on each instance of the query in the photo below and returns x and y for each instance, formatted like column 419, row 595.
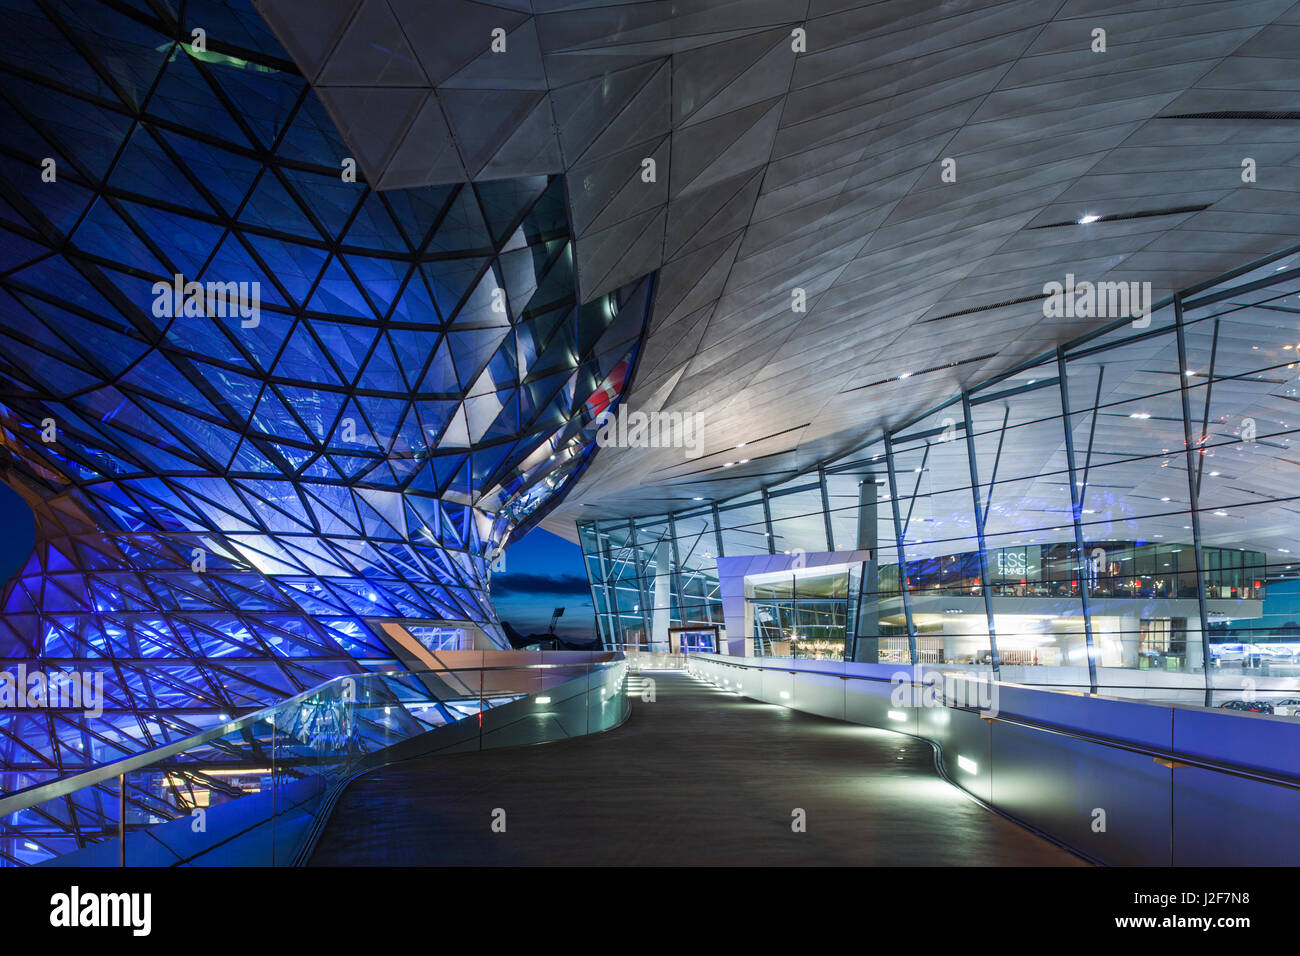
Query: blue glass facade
column 230, row 489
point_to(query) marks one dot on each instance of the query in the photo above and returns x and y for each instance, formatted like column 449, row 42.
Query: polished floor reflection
column 698, row 777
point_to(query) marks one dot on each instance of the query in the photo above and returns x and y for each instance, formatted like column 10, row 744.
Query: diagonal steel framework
column 226, row 498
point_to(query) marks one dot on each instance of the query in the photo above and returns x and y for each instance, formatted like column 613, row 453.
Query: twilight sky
column 543, row 572
column 17, row 532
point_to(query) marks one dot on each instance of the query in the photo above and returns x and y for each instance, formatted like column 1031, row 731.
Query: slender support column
column 767, row 523
column 717, row 528
column 661, row 611
column 867, row 516
column 1192, row 451
column 611, row 592
column 1076, row 512
column 904, row 587
column 641, row 566
column 866, row 628
column 678, row 591
column 826, row 508
column 979, row 532
column 599, row 593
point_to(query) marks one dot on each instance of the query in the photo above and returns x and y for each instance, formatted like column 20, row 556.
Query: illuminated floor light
column 970, row 766
column 543, row 700
column 896, row 715
column 785, row 695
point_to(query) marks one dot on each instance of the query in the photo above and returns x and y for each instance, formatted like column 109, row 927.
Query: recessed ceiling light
column 743, row 461
column 1142, row 415
column 905, row 375
column 727, row 464
column 697, row 498
column 1088, row 218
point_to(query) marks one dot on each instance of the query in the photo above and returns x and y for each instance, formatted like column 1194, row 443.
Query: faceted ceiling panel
column 822, row 169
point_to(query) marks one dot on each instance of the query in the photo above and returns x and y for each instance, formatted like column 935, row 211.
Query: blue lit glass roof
column 418, row 380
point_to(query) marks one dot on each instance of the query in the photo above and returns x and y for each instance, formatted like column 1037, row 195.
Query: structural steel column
column 717, row 528
column 767, row 523
column 678, row 591
column 611, row 590
column 638, row 566
column 979, row 532
column 904, row 587
column 868, row 535
column 826, row 508
column 1076, row 511
column 866, row 646
column 1191, row 449
column 662, row 610
column 589, row 531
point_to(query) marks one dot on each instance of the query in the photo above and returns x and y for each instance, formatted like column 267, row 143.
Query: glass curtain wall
column 1124, row 505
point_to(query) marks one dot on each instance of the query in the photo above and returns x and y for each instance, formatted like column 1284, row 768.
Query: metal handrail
column 1171, row 755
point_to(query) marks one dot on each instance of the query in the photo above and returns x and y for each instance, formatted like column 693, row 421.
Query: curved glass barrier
column 255, row 791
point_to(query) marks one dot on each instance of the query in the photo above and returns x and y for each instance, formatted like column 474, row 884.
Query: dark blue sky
column 17, row 533
column 543, row 572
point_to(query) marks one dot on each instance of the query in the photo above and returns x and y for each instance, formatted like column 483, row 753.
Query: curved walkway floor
column 699, row 777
